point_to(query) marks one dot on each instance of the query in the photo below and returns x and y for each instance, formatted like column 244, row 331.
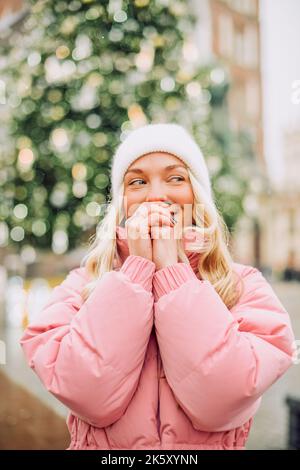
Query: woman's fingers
column 160, row 219
column 153, row 214
column 159, row 208
column 147, row 215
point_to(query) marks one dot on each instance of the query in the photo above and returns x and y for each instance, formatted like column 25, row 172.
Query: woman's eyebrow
column 167, row 168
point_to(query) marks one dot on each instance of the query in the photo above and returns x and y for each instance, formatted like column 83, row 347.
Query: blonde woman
column 159, row 340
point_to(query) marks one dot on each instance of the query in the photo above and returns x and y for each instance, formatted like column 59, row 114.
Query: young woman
column 159, row 340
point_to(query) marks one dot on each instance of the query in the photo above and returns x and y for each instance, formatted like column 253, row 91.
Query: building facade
column 229, row 31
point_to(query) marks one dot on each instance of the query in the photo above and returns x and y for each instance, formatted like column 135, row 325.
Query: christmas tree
column 80, row 75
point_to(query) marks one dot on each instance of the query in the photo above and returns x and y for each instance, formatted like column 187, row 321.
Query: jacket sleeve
column 218, row 362
column 90, row 354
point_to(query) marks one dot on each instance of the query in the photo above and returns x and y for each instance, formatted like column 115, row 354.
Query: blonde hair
column 215, row 263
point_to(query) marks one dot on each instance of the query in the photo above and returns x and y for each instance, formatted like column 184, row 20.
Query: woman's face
column 149, row 179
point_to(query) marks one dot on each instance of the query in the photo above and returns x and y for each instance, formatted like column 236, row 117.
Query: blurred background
column 75, row 77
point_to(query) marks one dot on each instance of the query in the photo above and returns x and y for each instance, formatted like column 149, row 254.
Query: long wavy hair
column 215, row 261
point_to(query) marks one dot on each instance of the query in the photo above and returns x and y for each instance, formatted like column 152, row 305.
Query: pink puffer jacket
column 155, row 360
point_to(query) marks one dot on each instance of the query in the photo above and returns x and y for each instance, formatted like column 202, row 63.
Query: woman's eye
column 178, row 177
column 134, row 181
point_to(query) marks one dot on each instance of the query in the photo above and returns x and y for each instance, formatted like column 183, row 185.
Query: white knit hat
column 162, row 137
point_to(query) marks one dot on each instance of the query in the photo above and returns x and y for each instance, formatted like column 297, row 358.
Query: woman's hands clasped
column 151, row 233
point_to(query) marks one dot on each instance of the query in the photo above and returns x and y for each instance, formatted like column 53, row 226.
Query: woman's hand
column 164, row 241
column 146, row 217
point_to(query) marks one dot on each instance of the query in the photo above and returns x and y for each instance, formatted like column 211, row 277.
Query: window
column 252, row 99
column 225, row 35
column 239, row 47
column 251, row 46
